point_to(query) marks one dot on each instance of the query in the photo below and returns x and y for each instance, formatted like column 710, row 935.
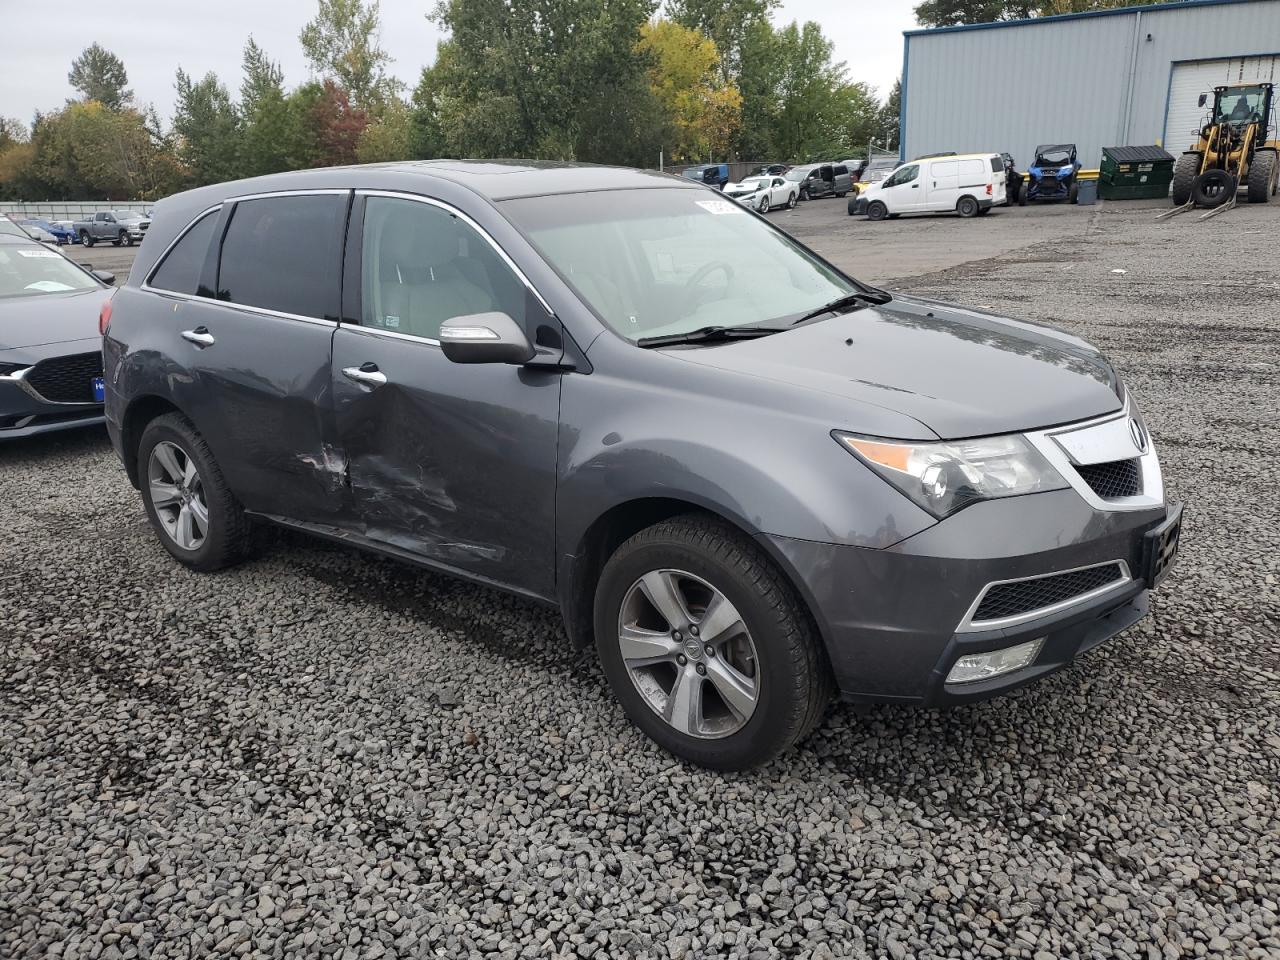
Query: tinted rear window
column 180, row 270
column 285, row 254
column 841, row 171
column 996, row 164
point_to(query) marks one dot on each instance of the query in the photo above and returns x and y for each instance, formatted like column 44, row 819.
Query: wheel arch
column 140, row 412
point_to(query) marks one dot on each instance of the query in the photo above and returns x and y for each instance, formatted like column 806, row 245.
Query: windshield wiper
column 849, row 301
column 708, row 335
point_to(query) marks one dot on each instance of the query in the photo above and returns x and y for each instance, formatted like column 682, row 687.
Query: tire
column 228, row 533
column 804, row 194
column 1022, row 198
column 876, row 210
column 698, row 559
column 126, row 238
column 792, row 200
column 967, row 207
column 1213, row 188
column 85, row 238
column 1185, row 171
column 1073, row 192
column 764, row 206
column 1262, row 176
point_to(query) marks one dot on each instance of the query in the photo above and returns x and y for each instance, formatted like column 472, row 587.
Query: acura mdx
column 750, row 480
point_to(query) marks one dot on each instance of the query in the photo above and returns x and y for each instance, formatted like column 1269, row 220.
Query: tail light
column 988, row 189
column 104, row 317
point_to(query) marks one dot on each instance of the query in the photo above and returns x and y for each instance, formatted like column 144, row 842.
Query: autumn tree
column 100, row 75
column 702, row 111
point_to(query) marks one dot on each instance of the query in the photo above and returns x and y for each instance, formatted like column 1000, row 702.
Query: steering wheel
column 706, row 270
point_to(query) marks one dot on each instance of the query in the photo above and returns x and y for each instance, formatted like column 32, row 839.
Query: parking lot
column 326, row 753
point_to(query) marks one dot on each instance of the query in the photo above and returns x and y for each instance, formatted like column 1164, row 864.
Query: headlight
column 947, row 476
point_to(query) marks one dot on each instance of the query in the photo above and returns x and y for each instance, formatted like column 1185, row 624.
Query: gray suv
column 750, row 480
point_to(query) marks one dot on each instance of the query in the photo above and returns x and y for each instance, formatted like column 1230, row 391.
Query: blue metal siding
column 1013, row 86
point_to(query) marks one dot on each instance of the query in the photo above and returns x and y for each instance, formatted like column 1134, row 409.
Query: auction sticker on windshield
column 720, row 207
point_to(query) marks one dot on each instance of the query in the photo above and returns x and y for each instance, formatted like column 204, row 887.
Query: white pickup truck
column 119, row 226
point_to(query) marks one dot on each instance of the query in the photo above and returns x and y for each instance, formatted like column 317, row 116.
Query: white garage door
column 1184, row 116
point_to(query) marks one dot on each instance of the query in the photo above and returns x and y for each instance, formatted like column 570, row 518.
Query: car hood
column 962, row 373
column 744, row 187
column 49, row 318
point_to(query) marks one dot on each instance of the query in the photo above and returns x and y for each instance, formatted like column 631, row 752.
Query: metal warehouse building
column 1101, row 79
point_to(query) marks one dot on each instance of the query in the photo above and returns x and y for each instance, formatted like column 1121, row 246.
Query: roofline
column 1115, row 12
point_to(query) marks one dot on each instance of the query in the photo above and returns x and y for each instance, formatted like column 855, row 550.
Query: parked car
column 1053, row 175
column 712, row 174
column 875, row 170
column 969, row 184
column 67, row 228
column 821, row 180
column 11, row 228
column 770, row 170
column 37, row 232
column 118, row 226
column 764, row 193
column 750, row 479
column 59, row 234
column 50, row 345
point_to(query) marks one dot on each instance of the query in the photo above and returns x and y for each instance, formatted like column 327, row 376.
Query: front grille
column 1012, row 599
column 1117, row 478
column 66, row 379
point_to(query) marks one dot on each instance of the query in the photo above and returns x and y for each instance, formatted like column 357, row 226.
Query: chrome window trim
column 1152, row 480
column 449, row 208
column 389, row 334
column 969, row 625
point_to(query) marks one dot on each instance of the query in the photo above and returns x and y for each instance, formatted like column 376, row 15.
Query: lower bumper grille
column 66, row 379
column 1117, row 478
column 1022, row 597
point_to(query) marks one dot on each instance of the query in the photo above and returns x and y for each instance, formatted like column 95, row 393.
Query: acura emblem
column 1139, row 435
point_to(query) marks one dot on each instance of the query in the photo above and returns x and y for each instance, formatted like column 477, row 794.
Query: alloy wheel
column 177, row 495
column 689, row 654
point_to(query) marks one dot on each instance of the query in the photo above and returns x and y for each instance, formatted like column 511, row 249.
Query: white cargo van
column 970, row 184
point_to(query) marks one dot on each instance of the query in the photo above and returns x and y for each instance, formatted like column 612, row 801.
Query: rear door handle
column 200, row 336
column 367, row 375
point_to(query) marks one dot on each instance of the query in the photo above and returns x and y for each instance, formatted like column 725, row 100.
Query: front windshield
column 798, row 173
column 1239, row 105
column 1053, row 158
column 34, row 271
column 127, row 215
column 669, row 261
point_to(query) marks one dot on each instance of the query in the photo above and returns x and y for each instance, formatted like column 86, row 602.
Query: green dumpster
column 1131, row 173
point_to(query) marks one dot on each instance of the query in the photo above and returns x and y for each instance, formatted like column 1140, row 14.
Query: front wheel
column 791, row 201
column 1073, row 192
column 876, row 210
column 707, row 646
column 126, row 238
column 1185, row 172
column 1262, row 176
column 967, row 207
column 764, row 206
column 191, row 508
column 85, row 238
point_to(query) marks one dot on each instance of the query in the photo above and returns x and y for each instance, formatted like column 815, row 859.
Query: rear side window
column 180, row 270
column 996, row 164
column 841, row 171
column 285, row 254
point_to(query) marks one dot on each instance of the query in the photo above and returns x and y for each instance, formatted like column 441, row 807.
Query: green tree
column 273, row 134
column 262, row 77
column 531, row 77
column 207, row 128
column 951, row 13
column 100, row 75
column 889, row 120
column 342, row 45
column 389, row 136
column 86, row 151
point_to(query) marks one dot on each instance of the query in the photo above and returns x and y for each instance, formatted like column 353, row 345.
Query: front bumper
column 24, row 415
column 892, row 619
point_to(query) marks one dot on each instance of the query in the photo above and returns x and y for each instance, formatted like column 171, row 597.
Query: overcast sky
column 154, row 37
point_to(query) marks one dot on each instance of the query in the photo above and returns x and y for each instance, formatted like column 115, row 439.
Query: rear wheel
column 1184, row 177
column 1262, row 176
column 967, row 207
column 706, row 645
column 195, row 515
column 1213, row 188
column 876, row 210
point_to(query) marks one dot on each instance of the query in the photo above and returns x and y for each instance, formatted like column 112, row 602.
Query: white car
column 764, row 193
column 969, row 184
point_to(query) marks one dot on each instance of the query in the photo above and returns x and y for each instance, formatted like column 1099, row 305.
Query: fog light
column 983, row 666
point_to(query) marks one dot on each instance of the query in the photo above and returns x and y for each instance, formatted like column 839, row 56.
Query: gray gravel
column 327, row 754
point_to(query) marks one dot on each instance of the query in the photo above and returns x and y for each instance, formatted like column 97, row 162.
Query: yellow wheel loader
column 1233, row 150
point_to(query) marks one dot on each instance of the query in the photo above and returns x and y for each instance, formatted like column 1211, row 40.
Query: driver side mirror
column 1204, row 98
column 106, row 276
column 485, row 338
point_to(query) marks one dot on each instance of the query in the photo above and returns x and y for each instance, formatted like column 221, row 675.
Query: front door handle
column 200, row 336
column 367, row 375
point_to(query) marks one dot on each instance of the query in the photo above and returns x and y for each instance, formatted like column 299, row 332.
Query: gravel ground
column 323, row 753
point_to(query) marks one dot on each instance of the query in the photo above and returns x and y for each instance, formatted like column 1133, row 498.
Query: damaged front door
column 455, row 463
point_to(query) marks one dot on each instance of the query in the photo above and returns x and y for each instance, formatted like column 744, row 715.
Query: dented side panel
column 456, row 463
